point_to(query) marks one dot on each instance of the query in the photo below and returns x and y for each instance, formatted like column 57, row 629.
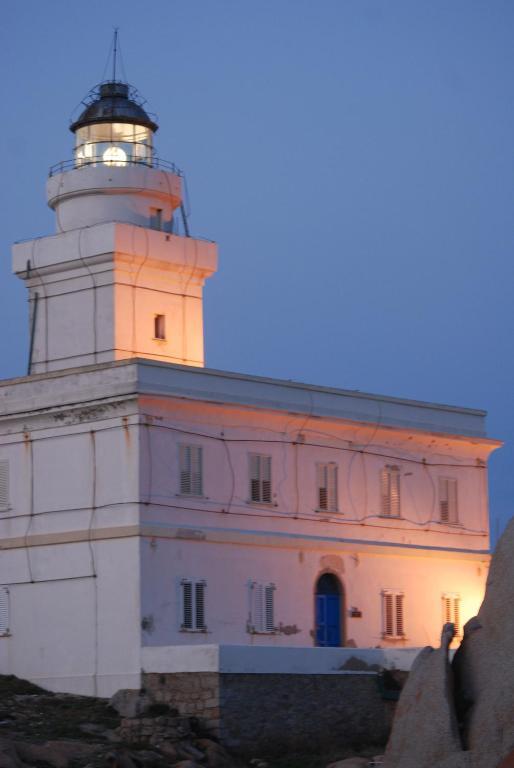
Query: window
column 159, row 327
column 262, row 608
column 451, row 610
column 191, row 470
column 156, row 218
column 393, row 620
column 4, row 611
column 4, row 485
column 448, row 512
column 390, row 491
column 193, row 605
column 327, row 487
column 260, row 478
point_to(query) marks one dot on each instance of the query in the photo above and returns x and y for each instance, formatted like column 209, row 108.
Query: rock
column 460, row 760
column 484, row 664
column 350, row 762
column 130, row 703
column 168, row 750
column 425, row 728
column 120, row 759
column 186, row 764
column 93, row 729
column 192, row 752
column 508, row 761
column 9, row 757
column 59, row 754
column 215, row 755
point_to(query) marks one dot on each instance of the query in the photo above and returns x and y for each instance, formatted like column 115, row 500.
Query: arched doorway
column 329, row 604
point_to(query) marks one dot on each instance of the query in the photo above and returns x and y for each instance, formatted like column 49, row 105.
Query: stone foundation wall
column 191, row 693
column 278, row 713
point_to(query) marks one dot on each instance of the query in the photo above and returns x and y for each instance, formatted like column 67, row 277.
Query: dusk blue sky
column 354, row 160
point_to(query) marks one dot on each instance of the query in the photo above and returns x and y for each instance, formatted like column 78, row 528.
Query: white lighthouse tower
column 116, row 281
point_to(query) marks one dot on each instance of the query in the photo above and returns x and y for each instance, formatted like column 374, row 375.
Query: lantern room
column 113, row 129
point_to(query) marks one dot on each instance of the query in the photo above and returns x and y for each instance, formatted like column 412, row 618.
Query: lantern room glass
column 113, row 144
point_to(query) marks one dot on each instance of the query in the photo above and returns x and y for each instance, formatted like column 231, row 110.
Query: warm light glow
column 114, row 156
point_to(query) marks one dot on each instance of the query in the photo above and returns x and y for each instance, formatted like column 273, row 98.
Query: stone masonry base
column 280, row 713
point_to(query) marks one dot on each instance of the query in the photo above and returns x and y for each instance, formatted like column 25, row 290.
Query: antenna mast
column 114, row 54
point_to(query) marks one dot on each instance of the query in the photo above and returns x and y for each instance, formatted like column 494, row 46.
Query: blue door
column 328, row 611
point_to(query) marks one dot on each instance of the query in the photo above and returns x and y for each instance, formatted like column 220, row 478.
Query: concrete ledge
column 245, row 659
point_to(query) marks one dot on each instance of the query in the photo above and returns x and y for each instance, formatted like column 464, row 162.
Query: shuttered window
column 451, row 611
column 4, row 611
column 190, row 458
column 4, row 484
column 260, row 478
column 390, row 491
column 393, row 615
column 193, row 605
column 448, row 511
column 327, row 487
column 262, row 608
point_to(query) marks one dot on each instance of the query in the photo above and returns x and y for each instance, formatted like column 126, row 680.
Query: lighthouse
column 117, row 280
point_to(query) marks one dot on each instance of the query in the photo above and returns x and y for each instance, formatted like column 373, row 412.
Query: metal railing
column 73, row 164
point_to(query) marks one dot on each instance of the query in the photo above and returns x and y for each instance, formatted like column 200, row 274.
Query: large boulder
column 425, row 731
column 130, row 703
column 484, row 664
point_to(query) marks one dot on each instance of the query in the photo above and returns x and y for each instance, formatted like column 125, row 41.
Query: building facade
column 154, row 512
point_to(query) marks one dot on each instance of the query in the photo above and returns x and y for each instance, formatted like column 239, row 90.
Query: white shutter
column 385, row 492
column 196, row 470
column 4, row 484
column 451, row 610
column 200, row 605
column 322, row 486
column 393, row 615
column 269, row 609
column 266, row 479
column 388, row 615
column 399, row 616
column 190, row 468
column 187, row 605
column 4, row 611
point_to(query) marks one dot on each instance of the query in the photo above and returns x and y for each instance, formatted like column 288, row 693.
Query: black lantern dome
column 112, row 102
column 114, row 128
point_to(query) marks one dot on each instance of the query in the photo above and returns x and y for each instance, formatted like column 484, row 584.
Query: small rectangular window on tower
column 156, row 218
column 4, row 485
column 159, row 331
column 4, row 611
column 190, row 467
column 390, row 491
column 327, row 487
column 260, row 478
column 448, row 500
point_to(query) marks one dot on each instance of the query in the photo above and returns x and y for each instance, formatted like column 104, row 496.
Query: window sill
column 390, row 517
column 191, row 496
column 456, row 524
column 5, row 634
column 264, row 632
column 395, row 638
column 327, row 512
column 267, row 504
column 156, row 338
column 194, row 631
